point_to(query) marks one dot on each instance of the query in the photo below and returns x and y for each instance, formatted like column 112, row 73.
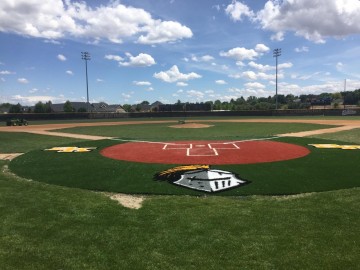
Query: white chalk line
column 169, row 143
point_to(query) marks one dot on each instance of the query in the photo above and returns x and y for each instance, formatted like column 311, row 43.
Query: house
column 93, row 107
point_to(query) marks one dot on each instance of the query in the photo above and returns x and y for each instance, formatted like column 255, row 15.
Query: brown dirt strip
column 46, row 129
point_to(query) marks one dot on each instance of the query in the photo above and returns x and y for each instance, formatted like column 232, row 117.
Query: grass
column 158, row 132
column 50, row 227
column 95, row 172
column 14, row 142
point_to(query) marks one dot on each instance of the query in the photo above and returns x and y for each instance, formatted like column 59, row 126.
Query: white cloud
column 174, row 75
column 32, row 100
column 167, row 31
column 6, row 72
column 302, row 49
column 69, row 72
column 142, row 83
column 99, row 80
column 262, row 48
column 23, row 81
column 126, row 96
column 142, row 60
column 339, row 66
column 198, row 95
column 220, row 82
column 236, row 10
column 182, row 84
column 251, row 75
column 313, row 20
column 34, row 90
column 240, row 54
column 61, row 57
column 204, row 58
column 260, row 66
column 114, row 22
column 255, row 85
column 114, row 57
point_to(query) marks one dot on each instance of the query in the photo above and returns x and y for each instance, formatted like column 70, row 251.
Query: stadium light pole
column 276, row 54
column 86, row 56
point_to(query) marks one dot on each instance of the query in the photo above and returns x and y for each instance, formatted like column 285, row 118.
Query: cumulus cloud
column 313, row 20
column 262, row 48
column 251, row 75
column 23, row 80
column 61, row 57
column 240, row 54
column 114, row 57
column 182, row 84
column 220, row 82
column 114, row 22
column 174, row 75
column 69, row 72
column 142, row 60
column 167, row 31
column 264, row 68
column 237, row 10
column 255, row 85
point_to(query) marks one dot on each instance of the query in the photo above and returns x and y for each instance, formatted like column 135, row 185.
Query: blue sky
column 171, row 50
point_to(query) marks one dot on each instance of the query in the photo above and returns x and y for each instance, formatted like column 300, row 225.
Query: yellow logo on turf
column 71, row 149
column 336, row 146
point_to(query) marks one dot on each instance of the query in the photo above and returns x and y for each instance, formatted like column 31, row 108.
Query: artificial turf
column 50, row 227
column 321, row 170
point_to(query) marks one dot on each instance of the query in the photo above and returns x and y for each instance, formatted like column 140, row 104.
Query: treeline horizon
column 250, row 103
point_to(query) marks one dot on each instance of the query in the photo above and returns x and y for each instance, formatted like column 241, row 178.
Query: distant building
column 93, row 107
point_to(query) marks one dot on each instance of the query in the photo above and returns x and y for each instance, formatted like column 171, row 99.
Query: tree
column 47, row 107
column 82, row 109
column 39, row 107
column 68, row 107
column 15, row 108
column 145, row 102
column 127, row 107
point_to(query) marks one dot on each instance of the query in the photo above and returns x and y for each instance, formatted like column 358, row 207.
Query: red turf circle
column 205, row 152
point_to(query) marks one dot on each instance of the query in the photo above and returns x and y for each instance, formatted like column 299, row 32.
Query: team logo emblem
column 71, row 149
column 336, row 146
column 201, row 177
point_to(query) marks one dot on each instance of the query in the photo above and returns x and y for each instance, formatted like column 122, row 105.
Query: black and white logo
column 201, row 177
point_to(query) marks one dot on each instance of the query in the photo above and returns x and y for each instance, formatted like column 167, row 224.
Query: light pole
column 276, row 54
column 86, row 56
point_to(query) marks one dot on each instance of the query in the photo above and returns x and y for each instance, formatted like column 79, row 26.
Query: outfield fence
column 181, row 114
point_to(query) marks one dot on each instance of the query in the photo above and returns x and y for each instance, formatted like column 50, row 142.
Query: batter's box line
column 202, row 155
column 218, row 146
column 174, row 146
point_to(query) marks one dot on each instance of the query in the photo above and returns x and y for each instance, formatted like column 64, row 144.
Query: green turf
column 158, row 132
column 14, row 142
column 49, row 227
column 323, row 169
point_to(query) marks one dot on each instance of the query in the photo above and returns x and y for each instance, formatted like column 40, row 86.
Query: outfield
column 310, row 221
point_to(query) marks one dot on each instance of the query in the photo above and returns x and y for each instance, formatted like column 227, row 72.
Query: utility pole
column 86, row 56
column 276, row 54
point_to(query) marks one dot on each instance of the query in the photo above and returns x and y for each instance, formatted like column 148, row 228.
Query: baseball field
column 222, row 193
